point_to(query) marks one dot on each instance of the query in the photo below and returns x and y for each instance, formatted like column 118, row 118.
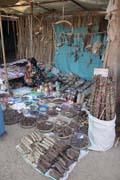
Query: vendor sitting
column 33, row 76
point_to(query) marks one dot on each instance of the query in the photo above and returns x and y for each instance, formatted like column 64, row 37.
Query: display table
column 15, row 70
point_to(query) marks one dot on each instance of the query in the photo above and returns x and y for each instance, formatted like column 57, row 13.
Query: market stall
column 63, row 123
column 72, row 109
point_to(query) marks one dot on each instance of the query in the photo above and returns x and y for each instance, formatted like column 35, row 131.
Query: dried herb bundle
column 102, row 101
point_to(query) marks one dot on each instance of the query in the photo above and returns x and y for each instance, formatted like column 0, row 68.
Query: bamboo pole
column 4, row 55
column 31, row 30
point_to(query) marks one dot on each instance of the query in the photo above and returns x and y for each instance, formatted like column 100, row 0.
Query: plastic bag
column 101, row 133
column 2, row 126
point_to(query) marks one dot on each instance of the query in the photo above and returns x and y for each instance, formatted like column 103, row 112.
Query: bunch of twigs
column 102, row 101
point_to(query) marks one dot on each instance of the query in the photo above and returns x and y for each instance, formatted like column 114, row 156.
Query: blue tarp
column 64, row 58
column 2, row 126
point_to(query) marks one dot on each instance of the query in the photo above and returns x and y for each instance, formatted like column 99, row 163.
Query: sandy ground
column 95, row 166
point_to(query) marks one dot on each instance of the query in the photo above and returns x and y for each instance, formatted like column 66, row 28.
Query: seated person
column 33, row 76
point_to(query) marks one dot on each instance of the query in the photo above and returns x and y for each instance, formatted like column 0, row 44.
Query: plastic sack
column 101, row 133
column 2, row 126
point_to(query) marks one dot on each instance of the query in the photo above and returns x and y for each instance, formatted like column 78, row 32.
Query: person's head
column 33, row 61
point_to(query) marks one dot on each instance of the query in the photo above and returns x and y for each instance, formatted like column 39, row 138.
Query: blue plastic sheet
column 64, row 58
column 2, row 126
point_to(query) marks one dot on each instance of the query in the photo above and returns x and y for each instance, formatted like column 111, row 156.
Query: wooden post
column 31, row 36
column 31, row 31
column 112, row 56
column 53, row 48
column 4, row 56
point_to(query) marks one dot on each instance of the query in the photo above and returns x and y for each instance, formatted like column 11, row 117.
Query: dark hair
column 33, row 61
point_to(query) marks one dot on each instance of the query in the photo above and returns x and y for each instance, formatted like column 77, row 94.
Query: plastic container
column 2, row 125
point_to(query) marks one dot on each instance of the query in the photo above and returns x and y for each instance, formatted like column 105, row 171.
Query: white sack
column 101, row 133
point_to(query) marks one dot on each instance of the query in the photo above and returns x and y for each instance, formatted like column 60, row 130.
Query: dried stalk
column 103, row 98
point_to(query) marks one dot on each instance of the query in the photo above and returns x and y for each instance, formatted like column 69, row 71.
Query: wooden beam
column 92, row 13
column 77, row 13
column 54, row 1
column 35, row 3
column 78, row 4
column 11, row 17
column 44, row 7
column 16, row 5
column 4, row 55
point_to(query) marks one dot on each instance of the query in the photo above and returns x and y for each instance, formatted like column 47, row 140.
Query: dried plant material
column 75, row 126
column 45, row 126
column 43, row 117
column 52, row 112
column 27, row 122
column 35, row 146
column 80, row 141
column 102, row 103
column 8, row 116
column 97, row 47
column 63, row 131
column 70, row 113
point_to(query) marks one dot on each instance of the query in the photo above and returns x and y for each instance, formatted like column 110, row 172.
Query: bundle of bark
column 35, row 145
column 48, row 154
column 58, row 160
column 102, row 101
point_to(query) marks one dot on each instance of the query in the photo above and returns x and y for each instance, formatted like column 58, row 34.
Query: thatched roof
column 47, row 6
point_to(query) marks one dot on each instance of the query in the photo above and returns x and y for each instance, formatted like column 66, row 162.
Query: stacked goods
column 47, row 154
column 65, row 156
column 35, row 146
column 55, row 156
column 102, row 102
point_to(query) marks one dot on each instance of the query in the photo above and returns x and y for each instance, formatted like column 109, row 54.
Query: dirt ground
column 95, row 166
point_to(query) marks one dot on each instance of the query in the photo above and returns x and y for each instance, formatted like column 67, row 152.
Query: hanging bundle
column 61, row 36
column 70, row 39
column 69, row 34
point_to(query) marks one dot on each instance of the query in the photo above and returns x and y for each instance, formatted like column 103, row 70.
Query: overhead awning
column 47, row 6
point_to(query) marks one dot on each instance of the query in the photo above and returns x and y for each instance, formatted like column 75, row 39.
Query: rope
column 63, row 10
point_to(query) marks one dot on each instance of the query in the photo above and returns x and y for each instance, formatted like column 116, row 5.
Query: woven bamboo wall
column 35, row 34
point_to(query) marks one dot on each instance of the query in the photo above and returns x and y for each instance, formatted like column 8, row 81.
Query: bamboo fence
column 41, row 39
column 41, row 44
